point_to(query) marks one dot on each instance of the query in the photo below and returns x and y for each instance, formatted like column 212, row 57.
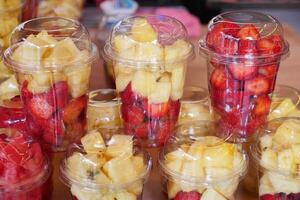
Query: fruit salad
column 243, row 56
column 24, row 169
column 149, row 57
column 105, row 167
column 53, row 73
column 277, row 153
column 205, row 167
column 103, row 109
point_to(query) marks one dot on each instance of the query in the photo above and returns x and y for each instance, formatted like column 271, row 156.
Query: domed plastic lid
column 149, row 39
column 101, row 160
column 49, row 43
column 244, row 35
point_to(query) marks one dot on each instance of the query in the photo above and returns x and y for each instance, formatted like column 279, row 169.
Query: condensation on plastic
column 23, row 159
column 105, row 162
column 266, row 25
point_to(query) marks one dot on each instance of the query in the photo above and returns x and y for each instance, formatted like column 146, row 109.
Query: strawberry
column 162, row 131
column 258, row 85
column 53, row 130
column 13, row 173
column 262, row 105
column 58, row 95
column 270, row 45
column 132, row 114
column 141, row 131
column 188, row 196
column 15, row 102
column 281, row 196
column 268, row 70
column 158, row 110
column 76, row 130
column 127, row 95
column 242, row 71
column 75, row 107
column 220, row 79
column 12, row 117
column 35, row 162
column 174, row 110
column 25, row 93
column 248, row 32
column 34, row 126
column 39, row 107
column 247, row 47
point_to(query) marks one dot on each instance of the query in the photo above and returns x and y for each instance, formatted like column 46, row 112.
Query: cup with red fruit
column 24, row 170
column 201, row 166
column 149, row 56
column 277, row 154
column 243, row 51
column 52, row 58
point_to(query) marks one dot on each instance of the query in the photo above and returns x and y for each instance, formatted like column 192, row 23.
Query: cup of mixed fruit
column 149, row 56
column 52, row 58
column 24, row 168
column 277, row 154
column 243, row 51
column 201, row 166
column 105, row 166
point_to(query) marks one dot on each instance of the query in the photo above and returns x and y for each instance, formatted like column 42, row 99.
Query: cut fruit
column 173, row 188
column 120, row 145
column 9, row 88
column 227, row 187
column 93, row 142
column 175, row 52
column 177, row 82
column 265, row 141
column 269, row 159
column 283, row 183
column 73, row 110
column 265, row 186
column 191, row 195
column 211, row 194
column 242, row 71
column 101, row 178
column 142, row 31
column 286, row 161
column 149, row 52
column 296, row 153
column 122, row 80
column 258, row 85
column 39, row 107
column 174, row 159
column 125, row 196
column 125, row 46
column 161, row 93
column 143, row 83
column 283, row 109
column 262, row 105
column 287, row 134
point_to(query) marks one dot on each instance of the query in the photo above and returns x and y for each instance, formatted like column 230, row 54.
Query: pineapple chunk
column 287, row 134
column 265, row 142
column 125, row 46
column 43, row 79
column 142, row 31
column 191, row 111
column 120, row 68
column 283, row 183
column 265, row 186
column 43, row 35
column 143, row 82
column 172, row 188
column 82, row 193
column 227, row 187
column 294, row 113
column 161, row 93
column 283, row 109
column 217, row 172
column 296, row 153
column 177, row 82
column 93, row 142
column 101, row 178
column 286, row 161
column 269, row 159
column 34, row 87
column 119, row 145
column 9, row 88
column 108, row 196
column 174, row 159
column 125, row 196
column 139, row 164
column 211, row 194
column 177, row 50
column 122, row 80
column 149, row 52
column 136, row 187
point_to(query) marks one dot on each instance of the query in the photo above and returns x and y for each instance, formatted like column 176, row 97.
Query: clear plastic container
column 243, row 51
column 149, row 56
column 103, row 109
column 105, row 166
column 52, row 59
column 194, row 105
column 24, row 168
column 277, row 154
column 201, row 165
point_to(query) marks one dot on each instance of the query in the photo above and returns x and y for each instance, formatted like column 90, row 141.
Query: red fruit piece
column 174, row 110
column 127, row 94
column 12, row 117
column 141, row 131
column 188, row 196
column 248, row 32
column 158, row 110
column 162, row 131
column 132, row 114
column 270, row 45
column 76, row 130
column 73, row 110
column 13, row 173
column 262, row 105
column 242, row 71
column 220, row 79
column 39, row 107
column 34, row 163
column 25, row 93
column 258, row 85
column 268, row 70
column 58, row 95
column 53, row 130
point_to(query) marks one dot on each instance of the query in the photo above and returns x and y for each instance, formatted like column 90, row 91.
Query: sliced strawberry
column 247, row 47
column 39, row 107
column 262, row 105
column 13, row 173
column 141, row 131
column 242, row 71
column 270, row 45
column 58, row 95
column 220, row 79
column 281, row 196
column 268, row 70
column 73, row 110
column 258, row 85
column 76, row 130
column 12, row 117
column 34, row 163
column 25, row 93
column 33, row 126
column 127, row 95
column 162, row 131
column 248, row 32
column 174, row 109
column 53, row 130
column 133, row 114
column 15, row 102
column 158, row 110
column 188, row 196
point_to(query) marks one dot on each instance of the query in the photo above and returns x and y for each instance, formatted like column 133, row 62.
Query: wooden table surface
column 289, row 74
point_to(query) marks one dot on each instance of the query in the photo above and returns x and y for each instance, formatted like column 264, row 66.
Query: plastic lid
column 101, row 159
column 11, row 5
column 278, row 146
column 49, row 43
column 244, row 35
column 23, row 160
column 152, row 39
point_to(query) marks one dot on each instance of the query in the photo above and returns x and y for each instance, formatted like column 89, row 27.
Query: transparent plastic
column 52, row 59
column 106, row 166
column 201, row 165
column 149, row 56
column 243, row 51
column 277, row 154
column 103, row 109
column 24, row 167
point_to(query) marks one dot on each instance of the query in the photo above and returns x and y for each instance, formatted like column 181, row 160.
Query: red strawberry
column 127, row 95
column 53, row 130
column 262, row 105
column 58, row 95
column 268, row 70
column 12, row 117
column 34, row 126
column 13, row 173
column 15, row 102
column 39, row 107
column 162, row 131
column 74, row 108
column 242, row 71
column 35, row 162
column 174, row 109
column 158, row 110
column 141, row 131
column 25, row 93
column 248, row 32
column 247, row 47
column 220, row 79
column 258, row 85
column 188, row 196
column 76, row 130
column 270, row 45
column 132, row 114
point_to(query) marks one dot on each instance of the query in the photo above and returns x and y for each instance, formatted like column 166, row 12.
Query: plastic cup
column 103, row 109
column 52, row 58
column 105, row 166
column 276, row 153
column 243, row 51
column 149, row 56
column 194, row 105
column 24, row 168
column 201, row 165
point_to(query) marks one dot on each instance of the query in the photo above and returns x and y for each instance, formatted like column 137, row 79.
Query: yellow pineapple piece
column 119, row 145
column 124, row 46
column 193, row 111
column 49, row 39
column 122, row 80
column 287, row 134
column 265, row 186
column 93, row 142
column 177, row 50
column 149, row 52
column 101, row 178
column 136, row 187
column 143, row 82
column 161, row 92
column 283, row 183
column 9, row 88
column 294, row 113
column 177, row 81
column 5, row 72
column 142, row 31
column 82, row 193
column 175, row 159
column 286, row 161
column 296, row 153
column 269, row 159
column 283, row 109
column 35, row 87
column 58, row 76
column 139, row 164
column 108, row 196
column 227, row 187
column 123, row 195
column 211, row 194
column 173, row 188
column 265, row 141
column 43, row 79
column 120, row 68
column 79, row 167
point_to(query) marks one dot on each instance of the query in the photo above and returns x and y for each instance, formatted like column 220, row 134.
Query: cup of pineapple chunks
column 276, row 152
column 149, row 56
column 106, row 165
column 51, row 59
column 200, row 165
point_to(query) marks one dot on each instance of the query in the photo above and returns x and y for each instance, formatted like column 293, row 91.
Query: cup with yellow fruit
column 277, row 154
column 52, row 58
column 201, row 165
column 106, row 166
column 149, row 56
